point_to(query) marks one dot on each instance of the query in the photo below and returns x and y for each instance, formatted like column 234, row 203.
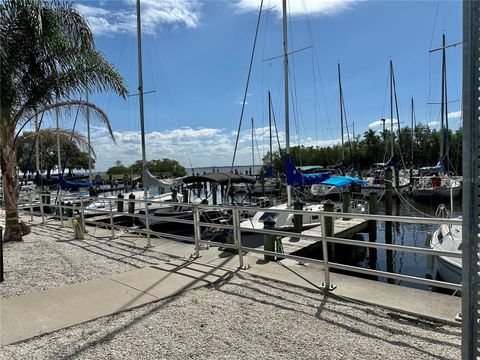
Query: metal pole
column 471, row 189
column 442, row 104
column 41, row 207
column 391, row 110
column 31, row 206
column 82, row 212
column 253, row 149
column 111, row 218
column 196, row 230
column 341, row 109
column 287, row 110
column 140, row 91
column 89, row 145
column 326, row 269
column 147, row 224
column 237, row 236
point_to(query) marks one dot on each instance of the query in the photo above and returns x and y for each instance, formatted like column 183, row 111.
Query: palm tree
column 47, row 59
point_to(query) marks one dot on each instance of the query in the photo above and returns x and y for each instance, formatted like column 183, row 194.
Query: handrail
column 238, row 230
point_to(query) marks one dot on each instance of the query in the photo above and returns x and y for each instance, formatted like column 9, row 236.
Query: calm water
column 402, row 234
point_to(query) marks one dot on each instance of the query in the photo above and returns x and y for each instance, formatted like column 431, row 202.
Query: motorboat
column 448, row 238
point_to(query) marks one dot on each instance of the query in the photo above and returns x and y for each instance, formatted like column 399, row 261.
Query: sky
column 196, row 58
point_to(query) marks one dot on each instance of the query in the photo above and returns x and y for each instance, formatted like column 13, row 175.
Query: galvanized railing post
column 237, row 236
column 31, row 206
column 326, row 268
column 111, row 218
column 41, row 207
column 60, row 209
column 196, row 230
column 82, row 212
column 147, row 225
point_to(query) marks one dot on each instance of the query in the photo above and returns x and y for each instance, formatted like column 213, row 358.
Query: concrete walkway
column 27, row 316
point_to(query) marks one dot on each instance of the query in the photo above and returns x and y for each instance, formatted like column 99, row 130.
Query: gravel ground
column 247, row 318
column 241, row 318
column 49, row 257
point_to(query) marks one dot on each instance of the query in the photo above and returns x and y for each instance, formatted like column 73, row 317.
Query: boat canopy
column 432, row 169
column 71, row 185
column 149, row 180
column 342, row 181
column 220, row 178
column 297, row 178
column 311, row 169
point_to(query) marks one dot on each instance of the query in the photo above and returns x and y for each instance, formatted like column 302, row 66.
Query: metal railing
column 233, row 225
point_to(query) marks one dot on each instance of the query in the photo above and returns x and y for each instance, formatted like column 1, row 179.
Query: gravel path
column 242, row 318
column 247, row 318
column 49, row 257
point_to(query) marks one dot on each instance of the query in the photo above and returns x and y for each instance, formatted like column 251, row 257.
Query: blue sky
column 196, row 55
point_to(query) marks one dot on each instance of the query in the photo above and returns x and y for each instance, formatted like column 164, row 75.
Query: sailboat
column 376, row 176
column 295, row 177
column 336, row 185
column 434, row 181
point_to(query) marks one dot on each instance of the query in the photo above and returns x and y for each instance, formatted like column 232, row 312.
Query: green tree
column 47, row 58
column 73, row 144
column 118, row 170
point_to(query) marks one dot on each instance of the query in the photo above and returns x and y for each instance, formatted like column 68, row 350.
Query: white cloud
column 455, row 114
column 155, row 13
column 296, row 7
column 433, row 124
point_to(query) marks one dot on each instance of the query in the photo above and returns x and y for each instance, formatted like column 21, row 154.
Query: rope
column 405, row 201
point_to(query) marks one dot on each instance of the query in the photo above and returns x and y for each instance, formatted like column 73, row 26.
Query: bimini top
column 342, row 181
column 220, row 178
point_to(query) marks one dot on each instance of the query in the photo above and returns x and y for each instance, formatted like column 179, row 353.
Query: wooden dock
column 342, row 228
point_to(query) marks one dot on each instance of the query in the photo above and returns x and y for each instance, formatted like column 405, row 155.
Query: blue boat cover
column 342, row 181
column 296, row 178
column 64, row 184
column 269, row 172
column 432, row 169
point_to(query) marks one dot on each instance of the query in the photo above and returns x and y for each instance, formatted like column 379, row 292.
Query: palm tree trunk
column 8, row 161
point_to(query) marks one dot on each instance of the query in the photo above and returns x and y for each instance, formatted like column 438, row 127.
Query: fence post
column 196, row 230
column 41, row 207
column 237, row 236
column 147, row 224
column 326, row 285
column 82, row 212
column 60, row 209
column 111, row 218
column 31, row 206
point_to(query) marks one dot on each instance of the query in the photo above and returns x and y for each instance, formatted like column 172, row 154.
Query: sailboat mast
column 444, row 75
column 412, row 129
column 140, row 90
column 37, row 146
column 253, row 150
column 270, row 125
column 442, row 105
column 341, row 110
column 89, row 144
column 59, row 158
column 285, row 70
column 391, row 110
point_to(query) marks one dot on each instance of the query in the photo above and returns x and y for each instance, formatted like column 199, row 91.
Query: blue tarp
column 432, row 169
column 342, row 181
column 269, row 172
column 70, row 185
column 296, row 178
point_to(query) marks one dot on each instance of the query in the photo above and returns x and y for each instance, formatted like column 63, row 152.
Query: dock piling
column 297, row 219
column 269, row 240
column 329, row 207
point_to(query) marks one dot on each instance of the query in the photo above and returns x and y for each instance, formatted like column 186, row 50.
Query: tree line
column 160, row 167
column 373, row 147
